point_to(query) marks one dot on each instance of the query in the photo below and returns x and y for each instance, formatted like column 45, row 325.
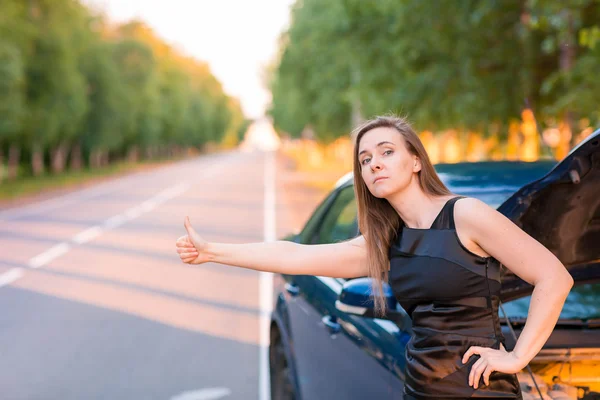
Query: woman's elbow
column 564, row 279
column 559, row 279
column 569, row 281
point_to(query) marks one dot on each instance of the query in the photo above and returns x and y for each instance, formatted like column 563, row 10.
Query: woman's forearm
column 262, row 256
column 337, row 260
column 547, row 301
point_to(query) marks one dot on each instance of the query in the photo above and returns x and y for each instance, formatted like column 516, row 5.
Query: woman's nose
column 375, row 164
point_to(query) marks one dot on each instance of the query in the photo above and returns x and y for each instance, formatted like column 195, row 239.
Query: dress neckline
column 435, row 219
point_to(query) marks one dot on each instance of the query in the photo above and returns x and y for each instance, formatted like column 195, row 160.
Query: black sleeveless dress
column 451, row 295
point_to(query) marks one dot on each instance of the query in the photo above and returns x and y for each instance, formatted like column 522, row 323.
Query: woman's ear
column 417, row 164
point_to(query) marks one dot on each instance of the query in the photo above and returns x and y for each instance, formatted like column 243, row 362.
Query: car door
column 340, row 356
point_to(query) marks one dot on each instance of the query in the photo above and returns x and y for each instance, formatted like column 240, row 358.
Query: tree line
column 77, row 90
column 469, row 65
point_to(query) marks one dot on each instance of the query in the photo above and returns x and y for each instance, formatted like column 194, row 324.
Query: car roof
column 346, row 179
column 471, row 175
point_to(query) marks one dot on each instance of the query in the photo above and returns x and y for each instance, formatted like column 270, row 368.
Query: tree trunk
column 567, row 57
column 356, row 117
column 149, row 152
column 94, row 159
column 104, row 158
column 37, row 160
column 59, row 158
column 2, row 168
column 14, row 153
column 133, row 154
column 76, row 158
column 527, row 45
column 91, row 159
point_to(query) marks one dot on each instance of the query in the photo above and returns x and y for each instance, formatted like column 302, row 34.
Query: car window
column 312, row 224
column 340, row 221
column 583, row 302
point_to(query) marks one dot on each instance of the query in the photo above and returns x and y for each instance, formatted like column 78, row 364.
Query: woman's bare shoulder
column 470, row 209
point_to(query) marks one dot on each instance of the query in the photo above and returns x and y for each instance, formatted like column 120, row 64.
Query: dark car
column 325, row 343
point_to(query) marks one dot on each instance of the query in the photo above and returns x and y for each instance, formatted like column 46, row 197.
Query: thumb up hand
column 191, row 247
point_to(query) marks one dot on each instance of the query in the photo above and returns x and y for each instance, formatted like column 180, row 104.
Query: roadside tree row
column 77, row 90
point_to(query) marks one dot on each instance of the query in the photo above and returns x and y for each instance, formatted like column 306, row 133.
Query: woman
column 441, row 254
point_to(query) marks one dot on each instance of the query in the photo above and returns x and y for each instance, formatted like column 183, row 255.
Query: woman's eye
column 388, row 152
column 364, row 161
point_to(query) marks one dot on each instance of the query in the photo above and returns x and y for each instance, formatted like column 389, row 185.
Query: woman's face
column 387, row 167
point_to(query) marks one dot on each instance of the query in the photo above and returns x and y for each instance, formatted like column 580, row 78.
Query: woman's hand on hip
column 491, row 360
column 191, row 247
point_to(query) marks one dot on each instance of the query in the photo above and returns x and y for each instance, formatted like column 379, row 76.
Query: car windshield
column 491, row 182
column 583, row 303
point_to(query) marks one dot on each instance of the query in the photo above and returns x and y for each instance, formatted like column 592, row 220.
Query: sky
column 237, row 38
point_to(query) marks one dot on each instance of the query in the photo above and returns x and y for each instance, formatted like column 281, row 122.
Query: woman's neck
column 416, row 208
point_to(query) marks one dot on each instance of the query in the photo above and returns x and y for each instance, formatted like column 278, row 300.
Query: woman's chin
column 380, row 193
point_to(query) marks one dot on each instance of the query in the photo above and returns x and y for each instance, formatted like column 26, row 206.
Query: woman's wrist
column 211, row 250
column 521, row 360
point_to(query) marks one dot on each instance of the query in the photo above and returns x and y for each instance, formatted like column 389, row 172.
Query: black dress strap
column 445, row 219
column 450, row 211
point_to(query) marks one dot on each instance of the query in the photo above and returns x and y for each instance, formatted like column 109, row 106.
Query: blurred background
column 87, row 85
column 120, row 117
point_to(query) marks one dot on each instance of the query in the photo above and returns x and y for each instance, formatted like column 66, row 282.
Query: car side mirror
column 355, row 298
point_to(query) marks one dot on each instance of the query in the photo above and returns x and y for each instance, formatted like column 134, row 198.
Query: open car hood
column 562, row 211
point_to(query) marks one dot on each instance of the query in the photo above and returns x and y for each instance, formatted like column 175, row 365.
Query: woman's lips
column 380, row 179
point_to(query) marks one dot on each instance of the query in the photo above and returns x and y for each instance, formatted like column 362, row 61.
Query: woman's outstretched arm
column 337, row 260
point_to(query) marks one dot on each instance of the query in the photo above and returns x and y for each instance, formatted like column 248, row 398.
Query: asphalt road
column 96, row 304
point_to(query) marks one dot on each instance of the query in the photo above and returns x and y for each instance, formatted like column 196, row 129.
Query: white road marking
column 87, row 235
column 10, row 276
column 49, row 255
column 115, row 221
column 266, row 280
column 203, row 394
column 93, row 232
column 65, row 200
column 148, row 205
column 133, row 213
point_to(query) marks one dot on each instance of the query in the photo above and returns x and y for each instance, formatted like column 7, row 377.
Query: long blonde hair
column 377, row 219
